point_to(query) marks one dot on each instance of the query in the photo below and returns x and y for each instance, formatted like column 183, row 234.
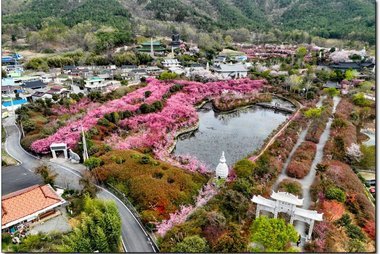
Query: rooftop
column 148, row 43
column 231, row 67
column 287, row 197
column 20, row 204
column 34, row 84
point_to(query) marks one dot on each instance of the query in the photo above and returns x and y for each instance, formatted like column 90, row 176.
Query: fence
column 135, row 213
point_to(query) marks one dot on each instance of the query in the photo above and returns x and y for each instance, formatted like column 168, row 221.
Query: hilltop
column 269, row 20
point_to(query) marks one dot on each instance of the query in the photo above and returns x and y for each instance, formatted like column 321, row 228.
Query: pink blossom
column 83, row 104
column 179, row 217
column 155, row 129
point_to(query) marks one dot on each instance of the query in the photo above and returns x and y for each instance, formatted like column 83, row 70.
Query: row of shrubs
column 302, row 159
column 318, row 124
column 341, row 194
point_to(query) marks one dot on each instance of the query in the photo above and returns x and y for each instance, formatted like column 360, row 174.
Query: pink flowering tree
column 179, row 217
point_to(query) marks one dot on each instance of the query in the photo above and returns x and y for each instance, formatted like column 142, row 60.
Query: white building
column 170, row 63
column 231, row 70
column 96, row 83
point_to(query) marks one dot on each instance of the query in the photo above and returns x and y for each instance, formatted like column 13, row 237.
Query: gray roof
column 231, row 68
column 34, row 84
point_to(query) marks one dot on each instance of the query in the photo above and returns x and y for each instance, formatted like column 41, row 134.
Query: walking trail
column 307, row 181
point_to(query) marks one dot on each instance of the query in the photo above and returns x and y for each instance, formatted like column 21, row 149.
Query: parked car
column 371, row 182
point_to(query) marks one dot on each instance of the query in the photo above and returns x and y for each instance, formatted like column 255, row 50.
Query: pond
column 237, row 133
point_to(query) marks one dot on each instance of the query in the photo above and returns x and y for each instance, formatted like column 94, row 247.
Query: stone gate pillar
column 310, row 229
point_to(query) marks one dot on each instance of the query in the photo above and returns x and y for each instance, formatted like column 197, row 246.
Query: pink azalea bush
column 207, row 192
column 159, row 129
column 70, row 134
column 83, row 104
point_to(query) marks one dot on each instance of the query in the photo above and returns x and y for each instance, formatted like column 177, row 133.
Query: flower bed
column 318, row 125
column 291, row 186
column 302, row 159
column 207, row 192
column 155, row 188
column 357, row 205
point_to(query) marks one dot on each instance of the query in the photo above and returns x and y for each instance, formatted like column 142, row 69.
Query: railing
column 151, row 237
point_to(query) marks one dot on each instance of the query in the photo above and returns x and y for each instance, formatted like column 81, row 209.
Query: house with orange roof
column 29, row 205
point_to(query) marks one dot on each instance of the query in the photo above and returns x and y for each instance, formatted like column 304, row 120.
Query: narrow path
column 283, row 174
column 307, row 181
column 134, row 237
column 270, row 142
column 301, row 138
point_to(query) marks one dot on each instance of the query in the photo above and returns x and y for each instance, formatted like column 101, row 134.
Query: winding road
column 134, row 237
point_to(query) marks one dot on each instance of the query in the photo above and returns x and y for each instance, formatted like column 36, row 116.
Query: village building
column 10, row 90
column 230, row 70
column 152, row 47
column 170, row 63
column 100, row 84
column 28, row 206
column 67, row 69
column 40, row 95
column 34, row 85
column 154, row 70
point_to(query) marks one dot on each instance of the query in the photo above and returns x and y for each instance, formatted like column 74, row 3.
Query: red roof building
column 29, row 204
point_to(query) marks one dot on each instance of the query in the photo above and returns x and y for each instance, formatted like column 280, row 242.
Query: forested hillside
column 198, row 20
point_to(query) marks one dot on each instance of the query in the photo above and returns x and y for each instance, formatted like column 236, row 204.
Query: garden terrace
column 154, row 187
column 225, row 220
column 145, row 127
column 339, row 193
column 43, row 118
column 302, row 159
column 345, row 128
column 337, row 188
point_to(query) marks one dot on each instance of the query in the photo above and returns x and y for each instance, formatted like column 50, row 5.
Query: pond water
column 238, row 133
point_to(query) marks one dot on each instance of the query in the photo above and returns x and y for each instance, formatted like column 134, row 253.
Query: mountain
column 339, row 19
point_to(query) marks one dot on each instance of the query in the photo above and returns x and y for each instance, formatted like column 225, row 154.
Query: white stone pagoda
column 222, row 168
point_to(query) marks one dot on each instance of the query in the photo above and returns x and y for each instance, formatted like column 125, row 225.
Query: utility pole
column 85, row 153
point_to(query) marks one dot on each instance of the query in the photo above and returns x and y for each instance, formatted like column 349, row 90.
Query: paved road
column 134, row 237
column 14, row 178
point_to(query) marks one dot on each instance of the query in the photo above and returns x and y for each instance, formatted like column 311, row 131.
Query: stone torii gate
column 287, row 203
